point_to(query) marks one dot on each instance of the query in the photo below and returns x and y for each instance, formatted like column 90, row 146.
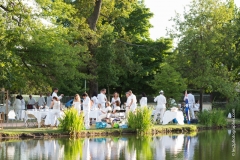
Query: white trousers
column 161, row 111
column 54, row 118
column 86, row 119
column 191, row 110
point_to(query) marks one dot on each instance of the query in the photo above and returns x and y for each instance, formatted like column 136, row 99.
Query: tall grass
column 212, row 118
column 72, row 122
column 140, row 120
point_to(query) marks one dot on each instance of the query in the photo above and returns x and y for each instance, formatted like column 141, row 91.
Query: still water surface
column 206, row 145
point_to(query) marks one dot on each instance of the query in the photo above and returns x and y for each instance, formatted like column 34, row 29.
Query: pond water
column 205, row 145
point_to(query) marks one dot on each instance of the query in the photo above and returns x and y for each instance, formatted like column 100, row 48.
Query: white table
column 169, row 116
column 37, row 114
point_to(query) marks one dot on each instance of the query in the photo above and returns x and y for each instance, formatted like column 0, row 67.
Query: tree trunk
column 201, row 99
column 92, row 22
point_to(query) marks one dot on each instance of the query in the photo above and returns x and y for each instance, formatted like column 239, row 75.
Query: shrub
column 140, row 120
column 212, row 118
column 234, row 104
column 72, row 122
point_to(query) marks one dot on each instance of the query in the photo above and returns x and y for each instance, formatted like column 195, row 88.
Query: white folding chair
column 12, row 116
column 30, row 120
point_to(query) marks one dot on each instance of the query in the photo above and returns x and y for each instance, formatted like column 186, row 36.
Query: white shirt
column 197, row 105
column 95, row 102
column 133, row 99
column 31, row 101
column 143, row 101
column 41, row 101
column 128, row 101
column 23, row 103
column 49, row 100
column 114, row 100
column 86, row 104
column 191, row 99
column 54, row 94
column 101, row 98
column 17, row 104
column 161, row 101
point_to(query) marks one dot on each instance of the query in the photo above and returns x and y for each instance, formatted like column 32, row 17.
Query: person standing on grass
column 41, row 101
column 143, row 100
column 133, row 101
column 86, row 109
column 102, row 99
column 49, row 99
column 191, row 102
column 161, row 106
column 54, row 94
column 77, row 103
column 94, row 100
column 55, row 105
column 114, row 99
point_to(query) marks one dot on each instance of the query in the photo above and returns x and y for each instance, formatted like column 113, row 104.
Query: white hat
column 161, row 91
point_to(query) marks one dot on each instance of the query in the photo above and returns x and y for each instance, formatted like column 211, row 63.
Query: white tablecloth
column 169, row 116
column 40, row 114
column 3, row 109
column 94, row 114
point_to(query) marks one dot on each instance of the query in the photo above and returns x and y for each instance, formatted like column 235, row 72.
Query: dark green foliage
column 212, row 118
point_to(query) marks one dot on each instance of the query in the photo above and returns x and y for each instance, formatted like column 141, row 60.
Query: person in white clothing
column 31, row 102
column 196, row 106
column 143, row 100
column 86, row 109
column 191, row 102
column 55, row 105
column 102, row 99
column 22, row 106
column 77, row 103
column 133, row 101
column 105, row 113
column 117, row 108
column 114, row 99
column 17, row 105
column 127, row 104
column 54, row 94
column 94, row 100
column 41, row 101
column 161, row 106
column 49, row 99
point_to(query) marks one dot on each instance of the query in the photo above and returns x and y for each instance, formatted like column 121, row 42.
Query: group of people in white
column 99, row 102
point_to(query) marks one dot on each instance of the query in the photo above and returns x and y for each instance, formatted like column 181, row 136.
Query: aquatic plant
column 72, row 122
column 140, row 120
column 212, row 118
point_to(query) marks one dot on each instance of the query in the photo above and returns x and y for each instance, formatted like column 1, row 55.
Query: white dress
column 114, row 100
column 55, row 112
column 77, row 106
column 95, row 103
column 86, row 110
column 143, row 102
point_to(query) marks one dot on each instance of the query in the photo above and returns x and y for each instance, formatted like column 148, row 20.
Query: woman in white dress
column 77, row 103
column 86, row 109
column 143, row 100
column 95, row 101
column 114, row 99
column 17, row 105
column 55, row 105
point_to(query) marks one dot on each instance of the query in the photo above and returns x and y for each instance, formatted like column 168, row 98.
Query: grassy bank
column 156, row 129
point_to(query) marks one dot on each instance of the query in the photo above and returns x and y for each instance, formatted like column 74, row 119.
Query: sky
column 163, row 11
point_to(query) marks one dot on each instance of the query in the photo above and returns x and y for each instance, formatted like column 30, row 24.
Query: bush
column 212, row 118
column 140, row 120
column 72, row 122
column 235, row 104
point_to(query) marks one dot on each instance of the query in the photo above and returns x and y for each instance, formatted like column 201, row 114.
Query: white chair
column 30, row 119
column 12, row 116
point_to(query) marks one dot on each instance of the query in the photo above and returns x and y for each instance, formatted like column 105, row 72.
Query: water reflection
column 130, row 148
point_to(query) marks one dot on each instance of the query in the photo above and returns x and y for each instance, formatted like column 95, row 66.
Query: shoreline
column 57, row 133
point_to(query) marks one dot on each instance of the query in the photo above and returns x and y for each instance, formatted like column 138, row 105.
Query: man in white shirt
column 102, row 99
column 161, row 106
column 49, row 99
column 54, row 94
column 191, row 102
column 133, row 101
column 41, row 101
column 31, row 102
